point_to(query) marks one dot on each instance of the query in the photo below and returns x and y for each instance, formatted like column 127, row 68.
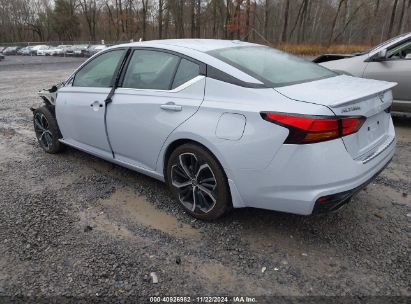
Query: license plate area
column 373, row 133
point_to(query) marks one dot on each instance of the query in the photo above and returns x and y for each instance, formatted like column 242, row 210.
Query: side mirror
column 381, row 55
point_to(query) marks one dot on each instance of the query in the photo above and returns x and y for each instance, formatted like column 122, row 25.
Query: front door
column 159, row 92
column 80, row 106
column 396, row 68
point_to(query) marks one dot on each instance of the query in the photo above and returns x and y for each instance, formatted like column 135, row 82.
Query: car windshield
column 271, row 66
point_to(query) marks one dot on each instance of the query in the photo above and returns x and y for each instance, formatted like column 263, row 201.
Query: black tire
column 47, row 130
column 209, row 199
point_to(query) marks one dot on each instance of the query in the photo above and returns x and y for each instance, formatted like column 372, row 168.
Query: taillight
column 307, row 129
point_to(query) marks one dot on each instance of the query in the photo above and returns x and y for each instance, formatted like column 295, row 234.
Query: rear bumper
column 299, row 175
column 336, row 201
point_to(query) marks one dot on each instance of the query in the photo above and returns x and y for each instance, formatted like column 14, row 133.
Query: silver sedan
column 389, row 61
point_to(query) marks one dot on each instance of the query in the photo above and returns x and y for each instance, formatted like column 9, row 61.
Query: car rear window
column 271, row 66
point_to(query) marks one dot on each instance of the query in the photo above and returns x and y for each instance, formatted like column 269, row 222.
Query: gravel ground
column 73, row 225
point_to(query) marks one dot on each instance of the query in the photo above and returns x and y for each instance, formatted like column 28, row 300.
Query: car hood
column 335, row 91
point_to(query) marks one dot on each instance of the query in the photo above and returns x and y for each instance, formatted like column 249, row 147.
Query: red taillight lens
column 312, row 129
column 350, row 125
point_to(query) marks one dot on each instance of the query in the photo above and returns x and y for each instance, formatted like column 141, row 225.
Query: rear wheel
column 198, row 181
column 47, row 131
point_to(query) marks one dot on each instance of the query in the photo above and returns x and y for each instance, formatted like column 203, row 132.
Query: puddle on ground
column 219, row 277
column 100, row 222
column 142, row 212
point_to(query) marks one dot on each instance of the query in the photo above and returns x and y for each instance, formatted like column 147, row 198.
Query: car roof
column 201, row 45
column 197, row 49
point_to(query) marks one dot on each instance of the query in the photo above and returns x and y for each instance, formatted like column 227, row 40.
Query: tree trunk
column 286, row 12
column 145, row 4
column 247, row 19
column 400, row 23
column 160, row 19
column 167, row 22
column 238, row 17
column 198, row 19
column 192, row 18
column 214, row 18
column 335, row 20
column 227, row 19
column 266, row 17
column 392, row 19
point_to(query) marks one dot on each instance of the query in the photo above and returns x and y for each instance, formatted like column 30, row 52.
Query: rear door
column 159, row 91
column 80, row 106
column 396, row 68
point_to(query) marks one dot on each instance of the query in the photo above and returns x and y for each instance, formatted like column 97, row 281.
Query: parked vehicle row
column 78, row 50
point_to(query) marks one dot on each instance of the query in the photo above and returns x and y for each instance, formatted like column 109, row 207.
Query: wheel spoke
column 38, row 125
column 184, row 167
column 202, row 167
column 207, row 180
column 208, row 192
column 44, row 122
column 181, row 185
column 48, row 137
column 194, row 199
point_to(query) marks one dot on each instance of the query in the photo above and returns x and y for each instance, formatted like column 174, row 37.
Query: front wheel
column 47, row 130
column 198, row 182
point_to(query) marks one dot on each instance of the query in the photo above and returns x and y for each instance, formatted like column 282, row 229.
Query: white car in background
column 225, row 124
column 58, row 50
column 39, row 49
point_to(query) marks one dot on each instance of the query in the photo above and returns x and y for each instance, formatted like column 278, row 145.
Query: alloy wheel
column 41, row 127
column 195, row 182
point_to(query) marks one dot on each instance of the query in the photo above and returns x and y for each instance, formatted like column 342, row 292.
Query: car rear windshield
column 270, row 66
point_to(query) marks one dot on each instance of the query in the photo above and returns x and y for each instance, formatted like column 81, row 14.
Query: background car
column 26, row 51
column 93, row 49
column 1, row 56
column 11, row 50
column 58, row 50
column 225, row 124
column 35, row 48
column 41, row 50
column 76, row 50
column 390, row 61
column 1, row 49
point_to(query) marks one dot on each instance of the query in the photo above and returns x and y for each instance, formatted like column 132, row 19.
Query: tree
column 65, row 21
column 286, row 12
column 89, row 10
column 391, row 26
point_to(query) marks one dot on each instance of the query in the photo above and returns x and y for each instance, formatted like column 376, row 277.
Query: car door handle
column 171, row 106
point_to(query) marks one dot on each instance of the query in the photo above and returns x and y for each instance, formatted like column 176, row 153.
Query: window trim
column 390, row 47
column 71, row 79
column 394, row 46
column 202, row 67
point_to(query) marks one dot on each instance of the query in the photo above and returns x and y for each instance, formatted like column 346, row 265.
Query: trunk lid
column 351, row 96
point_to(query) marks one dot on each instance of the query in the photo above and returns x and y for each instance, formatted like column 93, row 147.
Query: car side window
column 100, row 71
column 402, row 51
column 150, row 70
column 186, row 71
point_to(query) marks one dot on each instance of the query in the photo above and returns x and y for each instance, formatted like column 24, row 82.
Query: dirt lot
column 77, row 226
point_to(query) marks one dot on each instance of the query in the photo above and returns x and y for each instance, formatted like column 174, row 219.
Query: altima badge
column 351, row 109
